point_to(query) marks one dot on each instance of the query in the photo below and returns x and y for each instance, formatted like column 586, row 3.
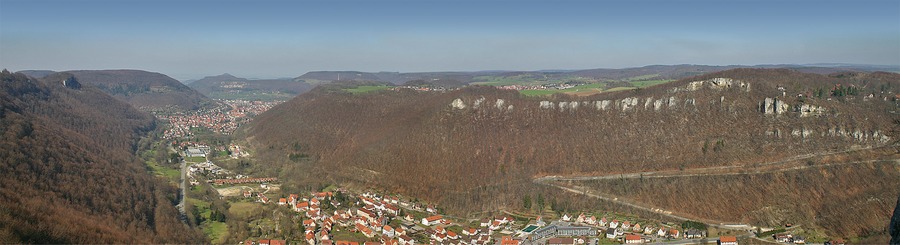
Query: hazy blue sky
column 191, row 39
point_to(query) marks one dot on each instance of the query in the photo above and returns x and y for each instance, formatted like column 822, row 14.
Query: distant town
column 222, row 119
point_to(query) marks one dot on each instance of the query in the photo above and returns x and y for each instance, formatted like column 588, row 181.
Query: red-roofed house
column 406, row 240
column 673, row 233
column 632, row 239
column 561, row 241
column 311, row 238
column 507, row 240
column 728, row 240
column 365, row 230
column 301, row 207
column 470, row 232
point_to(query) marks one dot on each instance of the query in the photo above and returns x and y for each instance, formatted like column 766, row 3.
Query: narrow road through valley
column 788, row 164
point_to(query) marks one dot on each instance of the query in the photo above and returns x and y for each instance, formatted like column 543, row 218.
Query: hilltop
column 646, row 73
column 69, row 174
column 226, row 86
column 481, row 148
column 147, row 91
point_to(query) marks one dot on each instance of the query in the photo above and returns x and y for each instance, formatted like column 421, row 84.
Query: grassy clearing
column 195, row 159
column 366, row 89
column 330, row 188
column 171, row 174
column 538, row 92
column 641, row 84
column 346, row 235
column 590, row 88
column 642, row 77
column 508, row 80
column 619, row 89
column 215, row 231
column 243, row 210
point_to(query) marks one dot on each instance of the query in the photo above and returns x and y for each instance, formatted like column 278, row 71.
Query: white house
column 433, row 220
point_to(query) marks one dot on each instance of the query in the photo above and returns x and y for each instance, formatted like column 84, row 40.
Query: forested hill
column 68, row 172
column 479, row 148
column 226, row 86
column 144, row 90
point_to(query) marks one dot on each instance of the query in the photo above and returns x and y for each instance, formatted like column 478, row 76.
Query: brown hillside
column 68, row 170
column 418, row 144
column 144, row 90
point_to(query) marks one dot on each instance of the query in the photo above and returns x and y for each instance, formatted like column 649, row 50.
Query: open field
column 232, row 191
column 619, row 89
column 642, row 77
column 169, row 173
column 366, row 89
column 195, row 159
column 346, row 235
column 641, row 84
column 585, row 89
column 243, row 210
column 216, row 231
column 526, row 79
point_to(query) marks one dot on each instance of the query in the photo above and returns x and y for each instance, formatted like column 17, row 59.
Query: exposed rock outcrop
column 629, row 103
column 458, row 104
column 478, row 103
column 71, row 82
column 773, row 106
column 547, row 105
column 718, row 83
column 806, row 110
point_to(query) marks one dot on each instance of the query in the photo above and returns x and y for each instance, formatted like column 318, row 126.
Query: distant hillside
column 69, row 174
column 480, row 148
column 653, row 72
column 144, row 90
column 36, row 73
column 390, row 77
column 226, row 86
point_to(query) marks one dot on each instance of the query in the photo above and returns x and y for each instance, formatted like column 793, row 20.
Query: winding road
column 182, row 195
column 788, row 164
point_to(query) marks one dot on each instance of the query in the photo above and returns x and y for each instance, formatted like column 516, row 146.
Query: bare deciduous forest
column 69, row 173
column 485, row 156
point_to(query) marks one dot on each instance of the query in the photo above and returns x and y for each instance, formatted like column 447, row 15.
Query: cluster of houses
column 422, row 88
column 631, row 232
column 538, row 87
column 224, row 119
column 789, row 238
column 388, row 221
column 372, row 217
column 266, row 242
column 210, row 170
column 243, row 180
